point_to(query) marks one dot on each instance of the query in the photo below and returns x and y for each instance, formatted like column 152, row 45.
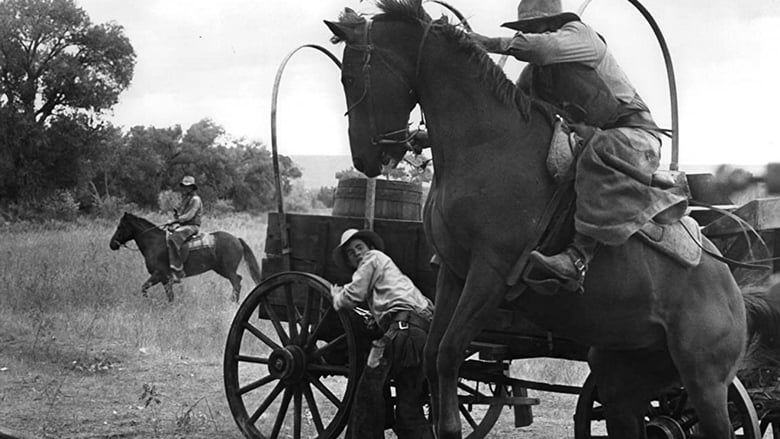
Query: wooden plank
column 761, row 214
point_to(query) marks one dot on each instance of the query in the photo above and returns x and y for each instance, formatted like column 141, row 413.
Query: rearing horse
column 223, row 258
column 651, row 323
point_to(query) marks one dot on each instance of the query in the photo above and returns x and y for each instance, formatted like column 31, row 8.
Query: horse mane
column 144, row 222
column 489, row 72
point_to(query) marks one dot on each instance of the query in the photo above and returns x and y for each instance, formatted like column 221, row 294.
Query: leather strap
column 406, row 318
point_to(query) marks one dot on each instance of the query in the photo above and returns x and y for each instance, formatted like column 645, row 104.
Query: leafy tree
column 54, row 64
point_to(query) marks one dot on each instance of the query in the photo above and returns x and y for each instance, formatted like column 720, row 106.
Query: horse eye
column 347, row 81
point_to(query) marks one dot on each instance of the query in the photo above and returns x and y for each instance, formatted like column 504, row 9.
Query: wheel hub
column 665, row 427
column 288, row 363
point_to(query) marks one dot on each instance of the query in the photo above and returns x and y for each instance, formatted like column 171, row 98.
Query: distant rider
column 186, row 223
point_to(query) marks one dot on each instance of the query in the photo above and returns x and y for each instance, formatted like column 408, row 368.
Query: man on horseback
column 571, row 68
column 186, row 223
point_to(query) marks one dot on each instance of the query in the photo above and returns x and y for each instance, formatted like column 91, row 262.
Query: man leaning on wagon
column 186, row 223
column 571, row 67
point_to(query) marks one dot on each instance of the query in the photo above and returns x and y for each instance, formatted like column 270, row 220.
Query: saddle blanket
column 200, row 241
column 681, row 240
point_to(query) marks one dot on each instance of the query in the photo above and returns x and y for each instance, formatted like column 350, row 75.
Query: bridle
column 124, row 244
column 371, row 52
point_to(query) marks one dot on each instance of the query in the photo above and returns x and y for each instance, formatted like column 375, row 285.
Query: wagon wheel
column 288, row 358
column 479, row 406
column 668, row 416
column 482, row 393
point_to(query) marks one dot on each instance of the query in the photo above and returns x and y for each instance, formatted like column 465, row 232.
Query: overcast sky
column 218, row 59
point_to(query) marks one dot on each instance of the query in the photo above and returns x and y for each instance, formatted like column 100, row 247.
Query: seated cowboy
column 571, row 68
column 186, row 224
column 404, row 314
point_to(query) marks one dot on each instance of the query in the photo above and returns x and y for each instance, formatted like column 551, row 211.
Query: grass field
column 82, row 354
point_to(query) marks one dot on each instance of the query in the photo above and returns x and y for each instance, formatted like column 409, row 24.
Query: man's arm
column 192, row 208
column 573, row 42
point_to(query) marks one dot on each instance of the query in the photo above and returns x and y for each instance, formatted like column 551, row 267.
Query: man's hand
column 583, row 130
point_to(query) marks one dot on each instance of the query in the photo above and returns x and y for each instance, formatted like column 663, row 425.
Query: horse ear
column 342, row 31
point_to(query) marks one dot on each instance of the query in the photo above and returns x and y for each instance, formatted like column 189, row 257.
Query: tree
column 53, row 63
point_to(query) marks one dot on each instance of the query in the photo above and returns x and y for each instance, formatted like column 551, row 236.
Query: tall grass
column 63, row 287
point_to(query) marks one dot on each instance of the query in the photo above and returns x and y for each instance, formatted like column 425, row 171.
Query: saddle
column 198, row 241
column 682, row 240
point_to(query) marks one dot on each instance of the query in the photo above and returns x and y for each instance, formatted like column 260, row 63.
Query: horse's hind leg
column 706, row 348
column 626, row 382
column 235, row 280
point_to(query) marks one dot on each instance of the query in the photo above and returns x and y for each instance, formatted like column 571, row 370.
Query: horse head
column 378, row 76
column 124, row 232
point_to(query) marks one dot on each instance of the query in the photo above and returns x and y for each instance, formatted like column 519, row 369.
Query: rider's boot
column 571, row 265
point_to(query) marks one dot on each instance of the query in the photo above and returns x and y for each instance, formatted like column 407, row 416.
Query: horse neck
column 469, row 121
column 145, row 234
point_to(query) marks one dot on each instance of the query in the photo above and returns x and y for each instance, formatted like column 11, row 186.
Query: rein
column 124, row 244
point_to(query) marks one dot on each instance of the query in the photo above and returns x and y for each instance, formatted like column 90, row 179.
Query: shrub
column 168, row 200
column 222, row 207
column 111, row 207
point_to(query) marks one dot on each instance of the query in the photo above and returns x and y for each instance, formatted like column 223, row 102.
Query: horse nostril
column 358, row 163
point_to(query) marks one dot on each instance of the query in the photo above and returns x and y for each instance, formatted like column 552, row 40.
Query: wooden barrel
column 398, row 200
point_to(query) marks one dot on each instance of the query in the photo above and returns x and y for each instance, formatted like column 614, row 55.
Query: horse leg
column 168, row 285
column 482, row 292
column 448, row 288
column 153, row 280
column 706, row 348
column 235, row 280
column 627, row 382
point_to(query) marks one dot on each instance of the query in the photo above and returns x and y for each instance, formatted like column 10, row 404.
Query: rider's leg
column 571, row 264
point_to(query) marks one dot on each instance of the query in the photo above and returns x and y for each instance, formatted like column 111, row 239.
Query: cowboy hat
column 531, row 12
column 365, row 235
column 188, row 180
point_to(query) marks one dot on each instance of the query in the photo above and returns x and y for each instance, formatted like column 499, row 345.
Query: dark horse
column 651, row 323
column 223, row 258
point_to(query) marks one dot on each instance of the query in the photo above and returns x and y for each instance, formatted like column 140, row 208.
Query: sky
column 201, row 59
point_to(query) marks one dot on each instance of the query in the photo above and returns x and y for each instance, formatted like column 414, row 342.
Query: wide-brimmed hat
column 365, row 235
column 531, row 12
column 188, row 181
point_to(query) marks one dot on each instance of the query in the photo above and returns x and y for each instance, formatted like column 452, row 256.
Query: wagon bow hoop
column 674, row 162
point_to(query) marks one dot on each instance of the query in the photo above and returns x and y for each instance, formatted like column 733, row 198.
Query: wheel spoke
column 315, row 412
column 324, row 390
column 255, row 384
column 327, row 369
column 306, row 319
column 282, row 413
column 259, row 334
column 323, row 314
column 465, row 413
column 292, row 311
column 267, row 402
column 274, row 318
column 251, row 359
column 329, row 345
column 297, row 413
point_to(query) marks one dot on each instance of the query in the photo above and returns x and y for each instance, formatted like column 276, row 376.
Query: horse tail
column 762, row 308
column 251, row 262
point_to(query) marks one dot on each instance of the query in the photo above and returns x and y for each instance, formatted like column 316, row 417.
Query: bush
column 168, row 200
column 111, row 207
column 60, row 205
column 222, row 207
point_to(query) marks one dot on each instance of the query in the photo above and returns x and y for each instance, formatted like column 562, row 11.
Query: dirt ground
column 113, row 392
